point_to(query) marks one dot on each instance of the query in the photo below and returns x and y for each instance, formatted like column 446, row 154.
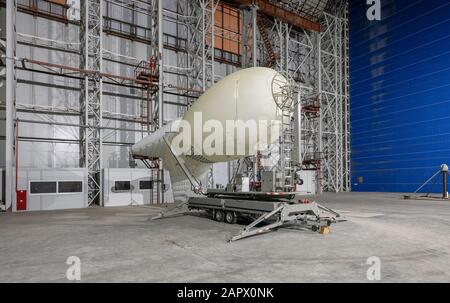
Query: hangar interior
column 83, row 81
column 155, row 58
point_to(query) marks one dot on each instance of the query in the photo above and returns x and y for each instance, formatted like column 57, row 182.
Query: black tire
column 315, row 228
column 230, row 217
column 219, row 216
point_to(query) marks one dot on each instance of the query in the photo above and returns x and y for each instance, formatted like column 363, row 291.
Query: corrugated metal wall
column 400, row 94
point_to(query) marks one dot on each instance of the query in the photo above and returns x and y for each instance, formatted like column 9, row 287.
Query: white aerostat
column 247, row 97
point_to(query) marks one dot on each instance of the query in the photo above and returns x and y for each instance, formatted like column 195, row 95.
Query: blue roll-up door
column 400, row 94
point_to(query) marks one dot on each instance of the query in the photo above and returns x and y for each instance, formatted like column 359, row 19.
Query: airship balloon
column 228, row 122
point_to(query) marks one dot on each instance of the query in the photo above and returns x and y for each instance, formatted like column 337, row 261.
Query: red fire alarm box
column 21, row 200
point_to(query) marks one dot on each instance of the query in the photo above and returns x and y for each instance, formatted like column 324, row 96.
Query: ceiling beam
column 264, row 6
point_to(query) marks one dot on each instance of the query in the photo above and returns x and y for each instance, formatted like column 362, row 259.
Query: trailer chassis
column 275, row 214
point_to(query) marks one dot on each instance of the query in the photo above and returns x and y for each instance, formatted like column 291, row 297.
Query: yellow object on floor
column 324, row 230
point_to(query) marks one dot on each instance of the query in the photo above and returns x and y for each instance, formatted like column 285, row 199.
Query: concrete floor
column 411, row 238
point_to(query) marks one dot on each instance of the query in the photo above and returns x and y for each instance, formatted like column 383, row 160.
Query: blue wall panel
column 400, row 94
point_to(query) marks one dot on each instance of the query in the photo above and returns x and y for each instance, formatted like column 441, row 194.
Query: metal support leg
column 196, row 184
column 171, row 211
column 249, row 233
column 312, row 215
column 263, row 218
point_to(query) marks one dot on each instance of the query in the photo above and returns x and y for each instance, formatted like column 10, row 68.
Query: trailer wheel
column 230, row 217
column 218, row 216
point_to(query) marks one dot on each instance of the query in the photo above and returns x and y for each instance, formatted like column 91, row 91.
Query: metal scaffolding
column 201, row 43
column 346, row 99
column 317, row 62
column 334, row 103
column 311, row 51
column 200, row 36
column 91, row 58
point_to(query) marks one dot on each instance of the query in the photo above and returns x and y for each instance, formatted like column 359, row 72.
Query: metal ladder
column 286, row 103
column 146, row 73
column 286, row 146
column 267, row 43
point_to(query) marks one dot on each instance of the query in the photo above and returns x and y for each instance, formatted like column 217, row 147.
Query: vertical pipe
column 347, row 102
column 100, row 105
column 298, row 126
column 203, row 12
column 153, row 60
column 279, row 28
column 161, row 65
column 244, row 44
column 212, row 46
column 444, row 184
column 319, row 92
column 337, row 158
column 287, row 48
column 86, row 83
column 254, row 26
column 162, row 185
column 444, row 171
column 341, row 112
column 17, row 154
column 10, row 99
column 161, row 78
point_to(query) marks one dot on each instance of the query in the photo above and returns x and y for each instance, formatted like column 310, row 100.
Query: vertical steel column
column 10, row 95
column 212, row 45
column 91, row 46
column 183, row 58
column 200, row 50
column 254, row 38
column 160, row 64
column 299, row 130
column 245, row 36
column 319, row 178
column 160, row 111
column 334, row 103
column 279, row 28
column 302, row 67
column 444, row 185
column 4, row 203
column 347, row 147
column 337, row 155
column 287, row 37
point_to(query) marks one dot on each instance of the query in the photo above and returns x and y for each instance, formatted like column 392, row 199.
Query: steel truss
column 198, row 62
column 323, row 92
column 200, row 43
column 334, row 103
column 293, row 51
column 91, row 46
column 317, row 62
column 346, row 99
